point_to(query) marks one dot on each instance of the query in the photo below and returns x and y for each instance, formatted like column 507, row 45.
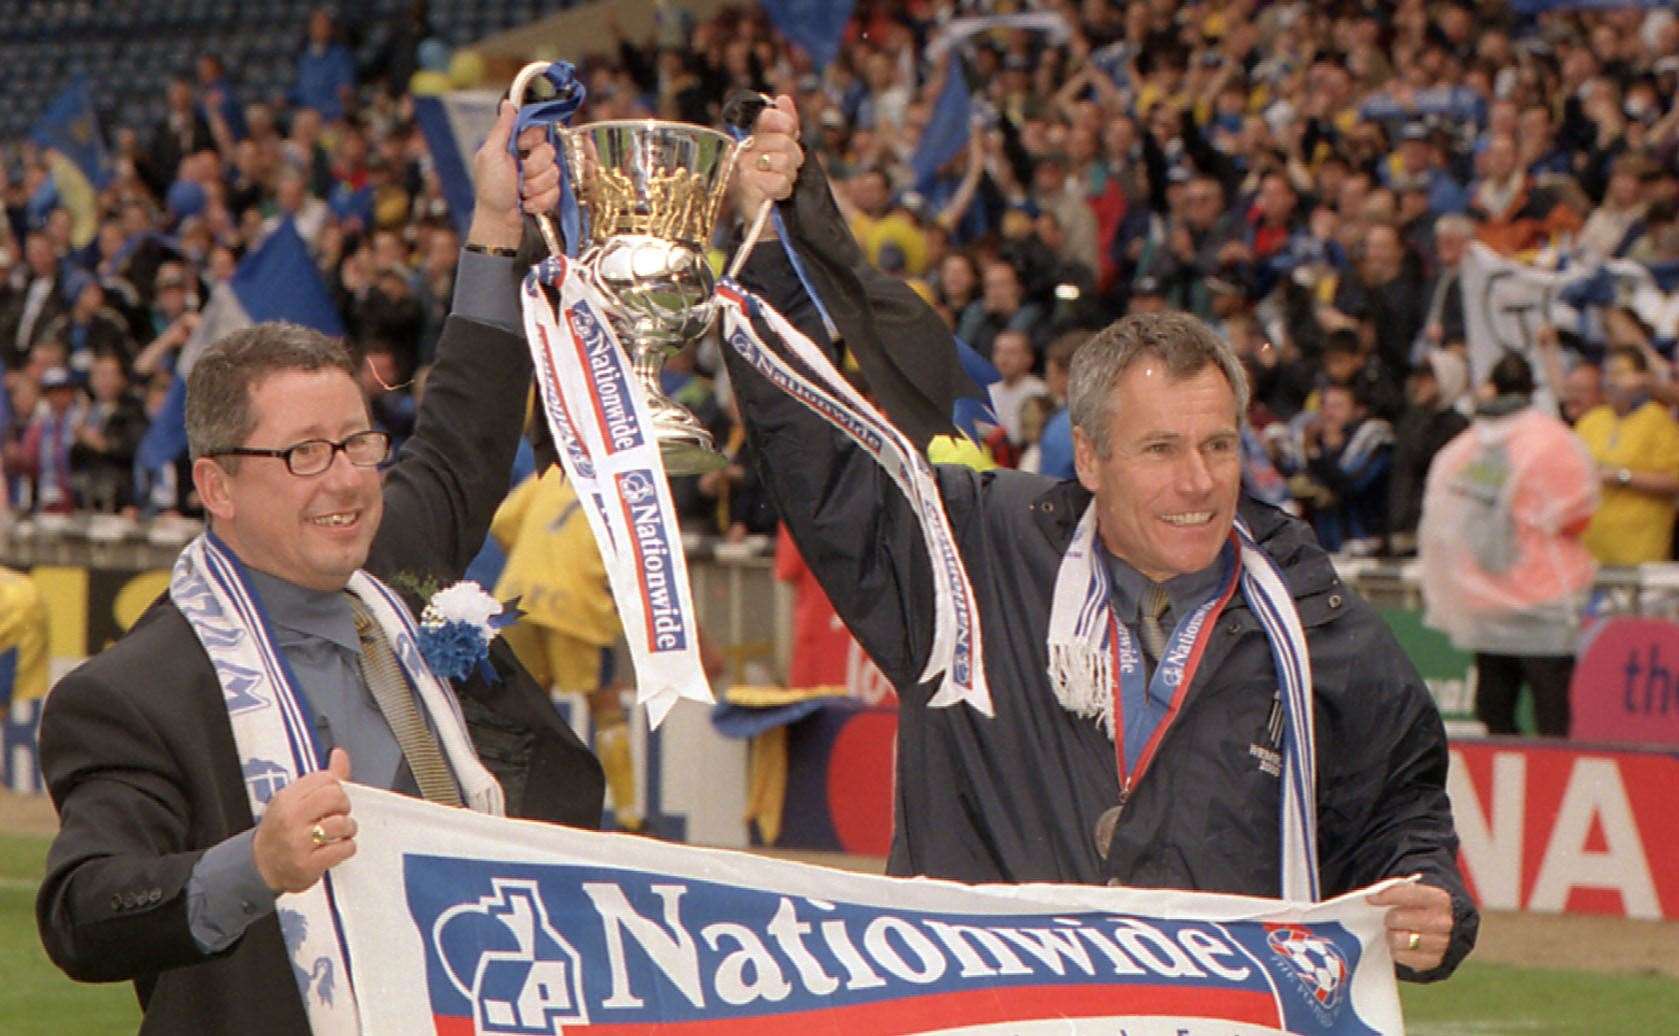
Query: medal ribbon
column 1174, row 671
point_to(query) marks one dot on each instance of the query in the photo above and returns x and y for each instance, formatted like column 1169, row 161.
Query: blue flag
column 815, row 25
column 70, row 127
column 969, row 412
column 455, row 125
column 278, row 281
column 947, row 129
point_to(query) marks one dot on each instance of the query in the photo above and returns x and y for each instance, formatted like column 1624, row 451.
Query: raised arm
column 452, row 473
column 853, row 526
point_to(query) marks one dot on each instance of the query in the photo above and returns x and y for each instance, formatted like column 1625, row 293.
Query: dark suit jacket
column 141, row 763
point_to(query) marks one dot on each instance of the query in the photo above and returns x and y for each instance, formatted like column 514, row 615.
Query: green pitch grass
column 36, row 999
column 1499, row 1000
column 1481, row 1000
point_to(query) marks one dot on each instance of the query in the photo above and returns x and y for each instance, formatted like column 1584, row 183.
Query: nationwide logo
column 962, row 656
column 535, row 948
column 1183, row 646
column 1315, row 963
column 637, row 486
column 503, row 955
column 655, row 565
column 559, row 417
column 609, row 387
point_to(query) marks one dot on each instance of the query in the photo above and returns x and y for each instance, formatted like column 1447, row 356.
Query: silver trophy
column 649, row 193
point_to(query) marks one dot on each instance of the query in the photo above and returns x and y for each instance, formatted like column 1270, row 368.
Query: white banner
column 1505, row 302
column 460, row 924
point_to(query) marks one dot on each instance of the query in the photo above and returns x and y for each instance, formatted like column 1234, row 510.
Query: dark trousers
column 1498, row 683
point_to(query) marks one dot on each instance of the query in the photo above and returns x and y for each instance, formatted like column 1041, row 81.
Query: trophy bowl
column 648, row 194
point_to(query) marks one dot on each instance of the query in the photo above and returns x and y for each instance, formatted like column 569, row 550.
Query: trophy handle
column 750, row 241
column 516, row 94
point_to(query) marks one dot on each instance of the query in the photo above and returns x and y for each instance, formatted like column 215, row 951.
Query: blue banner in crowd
column 70, row 127
column 970, row 412
column 277, row 281
column 515, row 927
column 815, row 25
column 948, row 127
column 455, row 125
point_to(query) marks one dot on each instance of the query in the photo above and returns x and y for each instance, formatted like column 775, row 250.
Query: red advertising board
column 1545, row 826
column 1555, row 828
column 1626, row 683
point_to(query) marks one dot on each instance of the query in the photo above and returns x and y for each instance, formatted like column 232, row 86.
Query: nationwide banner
column 460, row 924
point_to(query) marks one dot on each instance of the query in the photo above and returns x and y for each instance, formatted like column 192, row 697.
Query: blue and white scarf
column 272, row 729
column 1081, row 669
column 52, row 459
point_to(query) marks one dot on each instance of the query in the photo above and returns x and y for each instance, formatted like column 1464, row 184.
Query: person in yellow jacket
column 23, row 639
column 570, row 623
column 1635, row 441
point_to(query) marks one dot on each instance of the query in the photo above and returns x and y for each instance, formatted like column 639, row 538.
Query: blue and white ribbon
column 553, row 116
column 600, row 423
column 271, row 719
column 1081, row 671
column 957, row 653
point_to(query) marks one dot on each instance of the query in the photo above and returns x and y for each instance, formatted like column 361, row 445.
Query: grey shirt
column 1185, row 591
column 316, row 633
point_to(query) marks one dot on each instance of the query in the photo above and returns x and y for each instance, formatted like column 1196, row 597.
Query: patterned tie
column 390, row 689
column 1155, row 603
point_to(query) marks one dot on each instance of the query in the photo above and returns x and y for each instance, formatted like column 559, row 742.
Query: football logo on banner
column 1315, row 963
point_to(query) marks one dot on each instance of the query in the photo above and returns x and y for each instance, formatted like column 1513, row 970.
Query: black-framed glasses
column 312, row 456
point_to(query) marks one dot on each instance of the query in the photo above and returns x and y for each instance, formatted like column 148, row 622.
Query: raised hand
column 501, row 195
column 769, row 167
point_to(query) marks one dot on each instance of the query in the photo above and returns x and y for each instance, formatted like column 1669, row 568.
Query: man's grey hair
column 219, row 414
column 1184, row 343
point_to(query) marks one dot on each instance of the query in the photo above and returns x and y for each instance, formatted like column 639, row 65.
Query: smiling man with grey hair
column 1140, row 732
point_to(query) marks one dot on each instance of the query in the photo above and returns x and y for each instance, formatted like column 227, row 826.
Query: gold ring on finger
column 764, row 162
column 1413, row 941
column 317, row 835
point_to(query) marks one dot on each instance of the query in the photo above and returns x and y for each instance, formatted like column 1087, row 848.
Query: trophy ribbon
column 600, row 423
column 957, row 653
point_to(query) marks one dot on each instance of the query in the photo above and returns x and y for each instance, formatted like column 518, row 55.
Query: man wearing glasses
column 159, row 874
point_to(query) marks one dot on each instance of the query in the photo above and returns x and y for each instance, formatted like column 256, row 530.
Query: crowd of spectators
column 1307, row 176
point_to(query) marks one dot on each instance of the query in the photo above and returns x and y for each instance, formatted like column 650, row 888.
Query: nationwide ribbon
column 957, row 653
column 463, row 925
column 1173, row 673
column 599, row 420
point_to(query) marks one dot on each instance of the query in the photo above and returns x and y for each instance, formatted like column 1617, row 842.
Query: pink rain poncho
column 1503, row 567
